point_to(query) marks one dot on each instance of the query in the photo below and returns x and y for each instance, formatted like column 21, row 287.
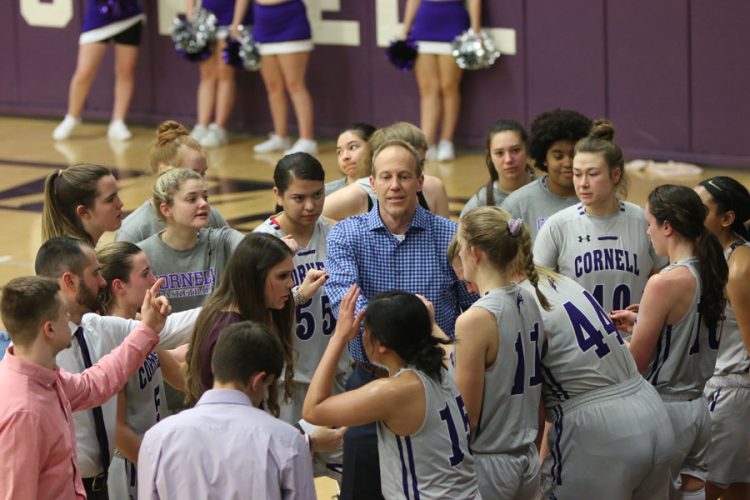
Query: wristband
column 299, row 299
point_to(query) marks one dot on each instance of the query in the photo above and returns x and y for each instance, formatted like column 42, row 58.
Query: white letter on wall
column 52, row 14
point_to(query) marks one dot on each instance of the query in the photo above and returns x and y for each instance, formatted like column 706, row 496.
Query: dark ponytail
column 730, row 196
column 401, row 322
column 684, row 210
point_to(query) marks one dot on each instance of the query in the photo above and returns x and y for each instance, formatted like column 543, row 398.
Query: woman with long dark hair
column 422, row 427
column 728, row 391
column 675, row 341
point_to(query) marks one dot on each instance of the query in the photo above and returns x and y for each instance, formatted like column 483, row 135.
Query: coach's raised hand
column 154, row 310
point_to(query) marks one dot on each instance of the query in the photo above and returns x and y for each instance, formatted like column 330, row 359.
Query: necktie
column 101, row 431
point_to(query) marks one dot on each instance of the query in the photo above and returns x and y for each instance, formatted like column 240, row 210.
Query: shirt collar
column 224, row 396
column 419, row 221
column 43, row 376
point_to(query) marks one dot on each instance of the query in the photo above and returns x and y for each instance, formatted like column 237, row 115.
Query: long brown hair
column 64, row 190
column 242, row 288
column 685, row 211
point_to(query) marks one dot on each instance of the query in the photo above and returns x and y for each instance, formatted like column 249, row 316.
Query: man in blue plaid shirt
column 397, row 245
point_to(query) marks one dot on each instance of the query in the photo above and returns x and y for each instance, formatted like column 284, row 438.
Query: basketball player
column 300, row 191
column 422, row 426
column 553, row 136
column 497, row 353
column 676, row 339
column 600, row 242
column 728, row 391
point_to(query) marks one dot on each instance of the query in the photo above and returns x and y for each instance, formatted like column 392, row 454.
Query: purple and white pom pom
column 474, row 51
column 193, row 39
column 402, row 54
column 242, row 53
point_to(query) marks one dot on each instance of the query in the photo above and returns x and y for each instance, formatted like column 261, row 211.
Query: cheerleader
column 217, row 86
column 103, row 22
column 283, row 34
column 434, row 24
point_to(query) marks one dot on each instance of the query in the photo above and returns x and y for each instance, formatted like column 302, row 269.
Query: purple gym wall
column 673, row 76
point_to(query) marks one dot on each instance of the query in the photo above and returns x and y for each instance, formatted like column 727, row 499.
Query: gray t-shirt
column 191, row 275
column 534, row 203
column 143, row 223
column 333, row 186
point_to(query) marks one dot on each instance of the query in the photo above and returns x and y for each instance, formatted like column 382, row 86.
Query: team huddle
column 556, row 341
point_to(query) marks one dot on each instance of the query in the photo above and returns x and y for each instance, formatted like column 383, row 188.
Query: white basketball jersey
column 315, row 320
column 512, row 383
column 609, row 256
column 732, row 356
column 435, row 462
column 584, row 352
column 686, row 351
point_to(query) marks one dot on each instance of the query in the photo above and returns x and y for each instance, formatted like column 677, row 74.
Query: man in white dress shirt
column 227, row 446
column 74, row 265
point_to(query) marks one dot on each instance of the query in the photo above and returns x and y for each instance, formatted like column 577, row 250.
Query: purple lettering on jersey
column 148, row 369
column 604, row 260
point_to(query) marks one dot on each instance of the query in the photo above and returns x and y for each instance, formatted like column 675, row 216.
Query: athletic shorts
column 614, row 443
column 131, row 36
column 691, row 424
column 509, row 475
column 282, row 28
column 437, row 24
column 729, row 452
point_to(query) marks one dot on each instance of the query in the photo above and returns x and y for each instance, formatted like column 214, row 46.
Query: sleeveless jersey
column 315, row 320
column 584, row 351
column 611, row 256
column 512, row 384
column 435, row 462
column 732, row 356
column 686, row 351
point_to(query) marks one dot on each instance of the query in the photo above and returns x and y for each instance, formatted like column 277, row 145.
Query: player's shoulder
column 565, row 215
column 632, row 210
column 523, row 193
column 270, row 226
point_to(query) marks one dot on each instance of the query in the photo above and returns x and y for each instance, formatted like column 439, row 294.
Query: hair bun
column 603, row 129
column 168, row 131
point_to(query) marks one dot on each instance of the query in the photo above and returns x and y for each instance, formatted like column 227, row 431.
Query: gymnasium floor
column 240, row 184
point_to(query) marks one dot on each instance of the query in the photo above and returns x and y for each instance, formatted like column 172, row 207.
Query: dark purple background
column 673, row 76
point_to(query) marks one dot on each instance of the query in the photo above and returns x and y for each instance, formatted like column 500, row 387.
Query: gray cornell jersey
column 686, row 352
column 732, row 356
column 610, row 256
column 583, row 351
column 435, row 462
column 512, row 383
column 535, row 203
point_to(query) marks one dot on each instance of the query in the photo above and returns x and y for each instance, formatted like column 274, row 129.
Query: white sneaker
column 273, row 143
column 66, row 127
column 215, row 137
column 308, row 146
column 431, row 153
column 118, row 131
column 199, row 132
column 445, row 151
